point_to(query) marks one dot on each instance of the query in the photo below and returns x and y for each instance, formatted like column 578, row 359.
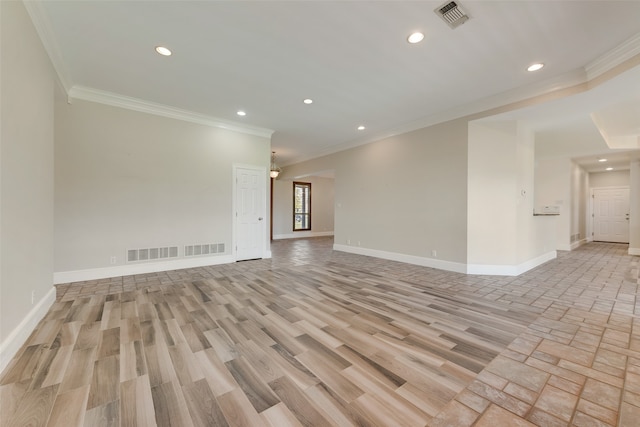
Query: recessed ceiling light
column 163, row 51
column 535, row 67
column 308, row 101
column 361, row 127
column 609, row 169
column 602, row 160
column 241, row 113
column 416, row 37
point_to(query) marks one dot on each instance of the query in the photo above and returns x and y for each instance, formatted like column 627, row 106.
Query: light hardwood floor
column 315, row 337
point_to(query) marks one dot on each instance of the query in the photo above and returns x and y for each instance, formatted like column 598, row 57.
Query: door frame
column 590, row 213
column 266, row 248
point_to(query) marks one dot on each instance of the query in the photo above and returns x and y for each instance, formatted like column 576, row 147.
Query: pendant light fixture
column 275, row 170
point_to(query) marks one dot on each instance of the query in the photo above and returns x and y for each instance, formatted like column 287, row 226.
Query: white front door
column 250, row 204
column 611, row 215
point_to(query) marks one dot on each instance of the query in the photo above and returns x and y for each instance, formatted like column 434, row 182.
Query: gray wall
column 404, row 194
column 27, row 86
column 322, row 207
column 127, row 180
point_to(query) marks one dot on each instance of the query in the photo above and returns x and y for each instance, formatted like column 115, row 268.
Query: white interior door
column 611, row 215
column 250, row 213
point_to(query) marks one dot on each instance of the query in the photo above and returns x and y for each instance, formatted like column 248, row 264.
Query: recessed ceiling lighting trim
column 416, row 37
column 308, row 101
column 164, row 51
column 241, row 113
column 535, row 67
column 361, row 127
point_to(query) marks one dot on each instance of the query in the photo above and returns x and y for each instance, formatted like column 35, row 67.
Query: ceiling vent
column 451, row 13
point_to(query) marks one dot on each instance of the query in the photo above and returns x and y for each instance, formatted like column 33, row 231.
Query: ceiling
column 350, row 57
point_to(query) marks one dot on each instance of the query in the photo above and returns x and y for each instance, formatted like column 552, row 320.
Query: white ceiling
column 350, row 57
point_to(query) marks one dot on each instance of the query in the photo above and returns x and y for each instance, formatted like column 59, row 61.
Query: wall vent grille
column 151, row 254
column 205, row 249
column 452, row 14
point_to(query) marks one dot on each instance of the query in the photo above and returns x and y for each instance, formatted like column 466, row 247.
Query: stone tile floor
column 577, row 364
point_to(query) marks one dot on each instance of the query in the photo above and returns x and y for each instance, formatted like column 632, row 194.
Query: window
column 301, row 206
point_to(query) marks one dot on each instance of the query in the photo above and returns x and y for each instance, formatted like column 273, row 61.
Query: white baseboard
column 510, row 270
column 409, row 259
column 576, row 245
column 634, row 251
column 458, row 267
column 11, row 345
column 300, row 234
column 140, row 268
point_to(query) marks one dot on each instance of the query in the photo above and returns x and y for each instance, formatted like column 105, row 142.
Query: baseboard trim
column 12, row 344
column 141, row 268
column 634, row 251
column 457, row 267
column 301, row 234
column 510, row 270
column 576, row 245
column 409, row 259
column 571, row 246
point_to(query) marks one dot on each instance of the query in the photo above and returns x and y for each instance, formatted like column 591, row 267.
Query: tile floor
column 576, row 364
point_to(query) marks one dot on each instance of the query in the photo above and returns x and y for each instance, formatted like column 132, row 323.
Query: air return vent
column 451, row 13
column 151, row 254
column 206, row 249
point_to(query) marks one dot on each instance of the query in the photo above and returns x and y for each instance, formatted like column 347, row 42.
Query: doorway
column 610, row 213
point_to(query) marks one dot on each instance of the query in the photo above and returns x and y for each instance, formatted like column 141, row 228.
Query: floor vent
column 207, row 249
column 451, row 13
column 151, row 254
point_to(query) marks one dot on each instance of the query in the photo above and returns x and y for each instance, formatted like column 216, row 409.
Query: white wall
column 503, row 235
column 634, row 208
column 402, row 197
column 27, row 86
column 552, row 187
column 322, row 207
column 493, row 193
column 609, row 179
column 579, row 205
column 126, row 180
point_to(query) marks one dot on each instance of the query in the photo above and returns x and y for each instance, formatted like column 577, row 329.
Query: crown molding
column 529, row 95
column 41, row 23
column 621, row 53
column 578, row 80
column 135, row 104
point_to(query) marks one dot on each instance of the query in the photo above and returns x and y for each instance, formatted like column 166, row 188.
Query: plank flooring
column 308, row 338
